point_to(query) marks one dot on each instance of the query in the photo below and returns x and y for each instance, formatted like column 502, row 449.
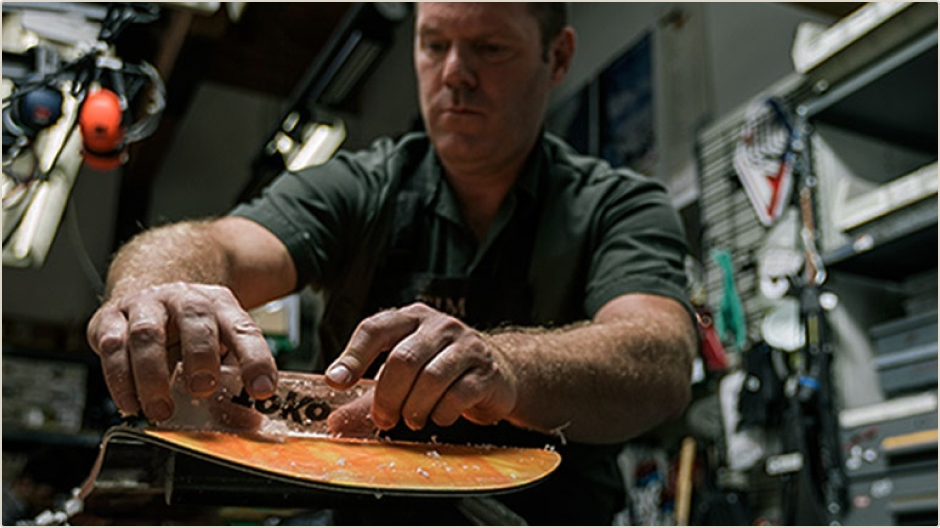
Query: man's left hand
column 437, row 369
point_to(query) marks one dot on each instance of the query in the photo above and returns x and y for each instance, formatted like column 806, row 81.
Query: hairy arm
column 186, row 284
column 602, row 381
column 611, row 379
column 231, row 251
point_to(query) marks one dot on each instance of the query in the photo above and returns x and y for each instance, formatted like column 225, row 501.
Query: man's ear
column 562, row 52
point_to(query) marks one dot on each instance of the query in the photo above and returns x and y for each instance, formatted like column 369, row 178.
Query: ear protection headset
column 103, row 115
column 27, row 115
column 101, row 123
column 35, row 101
column 102, row 118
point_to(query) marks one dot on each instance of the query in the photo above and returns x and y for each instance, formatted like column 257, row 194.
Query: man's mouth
column 461, row 110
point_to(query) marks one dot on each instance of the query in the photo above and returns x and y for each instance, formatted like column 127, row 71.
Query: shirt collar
column 434, row 189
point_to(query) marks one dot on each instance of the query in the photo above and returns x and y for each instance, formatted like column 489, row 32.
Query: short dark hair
column 552, row 17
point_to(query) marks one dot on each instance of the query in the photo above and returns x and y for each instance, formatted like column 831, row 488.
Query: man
column 486, row 221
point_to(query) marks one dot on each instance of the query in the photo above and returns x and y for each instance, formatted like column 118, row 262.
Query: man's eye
column 435, row 47
column 492, row 50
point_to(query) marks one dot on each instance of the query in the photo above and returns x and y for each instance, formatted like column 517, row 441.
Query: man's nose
column 458, row 68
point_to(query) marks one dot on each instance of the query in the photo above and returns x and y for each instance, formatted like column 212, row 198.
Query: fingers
column 434, row 384
column 199, row 344
column 437, row 369
column 244, row 338
column 131, row 335
column 464, row 395
column 210, row 323
column 353, row 420
column 146, row 342
column 107, row 336
column 482, row 394
column 418, row 371
column 373, row 336
column 438, row 379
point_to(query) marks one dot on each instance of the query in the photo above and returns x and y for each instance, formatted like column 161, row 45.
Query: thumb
column 344, row 371
column 373, row 336
column 353, row 419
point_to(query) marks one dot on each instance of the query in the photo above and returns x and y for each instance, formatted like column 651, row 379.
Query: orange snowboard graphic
column 292, row 437
column 372, row 465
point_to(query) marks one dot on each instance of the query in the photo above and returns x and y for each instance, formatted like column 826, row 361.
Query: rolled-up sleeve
column 638, row 245
column 321, row 213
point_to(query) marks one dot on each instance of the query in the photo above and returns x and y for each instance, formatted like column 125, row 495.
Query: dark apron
column 495, row 294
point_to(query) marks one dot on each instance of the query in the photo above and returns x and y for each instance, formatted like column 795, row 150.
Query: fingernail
column 263, row 384
column 382, row 423
column 127, row 403
column 414, row 426
column 414, row 423
column 158, row 410
column 203, row 382
column 339, row 374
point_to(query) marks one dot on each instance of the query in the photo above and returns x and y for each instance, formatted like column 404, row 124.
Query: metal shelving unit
column 873, row 119
column 864, row 92
column 892, row 100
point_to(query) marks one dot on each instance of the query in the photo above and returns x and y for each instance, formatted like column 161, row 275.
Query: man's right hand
column 140, row 336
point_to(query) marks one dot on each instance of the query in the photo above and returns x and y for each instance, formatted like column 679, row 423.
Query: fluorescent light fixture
column 319, row 146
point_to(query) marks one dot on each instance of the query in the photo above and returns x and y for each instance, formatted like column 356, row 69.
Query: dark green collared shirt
column 601, row 233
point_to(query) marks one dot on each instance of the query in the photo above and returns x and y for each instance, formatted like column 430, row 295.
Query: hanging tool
column 729, row 317
column 684, row 481
column 764, row 158
column 811, row 422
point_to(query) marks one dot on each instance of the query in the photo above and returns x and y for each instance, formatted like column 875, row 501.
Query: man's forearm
column 600, row 382
column 178, row 252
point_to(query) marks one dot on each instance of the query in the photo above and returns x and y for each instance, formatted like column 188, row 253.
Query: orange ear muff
column 100, row 121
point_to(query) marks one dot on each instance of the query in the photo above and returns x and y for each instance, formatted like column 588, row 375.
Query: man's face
column 482, row 79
